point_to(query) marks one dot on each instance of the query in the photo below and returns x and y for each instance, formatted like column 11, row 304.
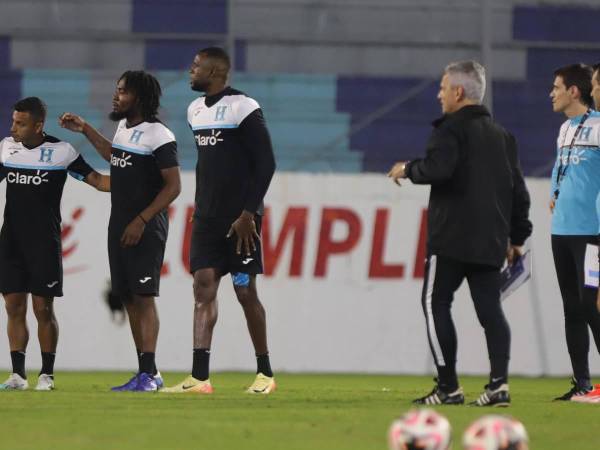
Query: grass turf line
column 315, row 412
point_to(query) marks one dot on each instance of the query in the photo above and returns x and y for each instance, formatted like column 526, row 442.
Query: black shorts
column 136, row 270
column 211, row 248
column 30, row 264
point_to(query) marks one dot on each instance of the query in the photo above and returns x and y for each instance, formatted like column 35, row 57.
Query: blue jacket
column 575, row 208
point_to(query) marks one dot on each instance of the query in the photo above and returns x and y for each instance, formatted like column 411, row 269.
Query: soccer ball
column 495, row 432
column 420, row 429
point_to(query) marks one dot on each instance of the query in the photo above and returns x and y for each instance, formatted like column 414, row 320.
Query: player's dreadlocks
column 146, row 89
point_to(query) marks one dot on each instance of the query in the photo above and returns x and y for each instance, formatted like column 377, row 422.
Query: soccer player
column 478, row 219
column 235, row 167
column 35, row 167
column 145, row 180
column 575, row 187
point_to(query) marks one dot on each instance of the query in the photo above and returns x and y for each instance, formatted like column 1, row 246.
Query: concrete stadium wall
column 344, row 261
column 372, row 38
column 377, row 38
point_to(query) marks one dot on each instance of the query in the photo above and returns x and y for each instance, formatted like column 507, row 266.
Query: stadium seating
column 301, row 111
column 310, row 115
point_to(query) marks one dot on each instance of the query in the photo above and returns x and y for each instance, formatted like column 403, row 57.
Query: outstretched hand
column 397, row 171
column 245, row 230
column 71, row 122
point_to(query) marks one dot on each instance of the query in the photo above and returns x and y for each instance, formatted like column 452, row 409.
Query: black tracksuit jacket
column 478, row 201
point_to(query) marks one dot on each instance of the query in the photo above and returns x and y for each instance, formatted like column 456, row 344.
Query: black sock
column 498, row 372
column 448, row 380
column 200, row 365
column 18, row 363
column 263, row 365
column 496, row 382
column 583, row 383
column 48, row 363
column 139, row 356
column 147, row 362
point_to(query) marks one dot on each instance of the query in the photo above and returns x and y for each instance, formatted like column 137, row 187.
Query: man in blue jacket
column 575, row 187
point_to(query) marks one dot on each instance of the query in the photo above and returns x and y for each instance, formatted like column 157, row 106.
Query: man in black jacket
column 478, row 216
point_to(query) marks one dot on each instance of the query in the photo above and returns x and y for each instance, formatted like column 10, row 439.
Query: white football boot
column 14, row 383
column 45, row 383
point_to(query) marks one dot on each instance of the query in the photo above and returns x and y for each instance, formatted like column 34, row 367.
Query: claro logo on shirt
column 120, row 161
column 21, row 178
column 209, row 141
column 577, row 155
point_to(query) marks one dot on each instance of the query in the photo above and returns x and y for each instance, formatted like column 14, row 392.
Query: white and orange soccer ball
column 496, row 432
column 420, row 428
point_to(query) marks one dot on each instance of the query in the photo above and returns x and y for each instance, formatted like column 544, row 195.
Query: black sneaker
column 575, row 390
column 440, row 397
column 498, row 397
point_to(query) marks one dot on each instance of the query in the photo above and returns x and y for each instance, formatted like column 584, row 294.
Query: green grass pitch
column 316, row 412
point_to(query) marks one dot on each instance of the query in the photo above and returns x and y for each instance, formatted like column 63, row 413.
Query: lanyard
column 562, row 168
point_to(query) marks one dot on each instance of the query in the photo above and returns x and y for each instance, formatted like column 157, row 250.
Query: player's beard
column 116, row 116
column 198, row 86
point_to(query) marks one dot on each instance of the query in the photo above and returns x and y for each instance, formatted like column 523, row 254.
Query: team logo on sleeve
column 212, row 140
column 120, row 161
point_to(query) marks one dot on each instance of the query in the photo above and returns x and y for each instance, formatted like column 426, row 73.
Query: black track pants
column 443, row 276
column 579, row 302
